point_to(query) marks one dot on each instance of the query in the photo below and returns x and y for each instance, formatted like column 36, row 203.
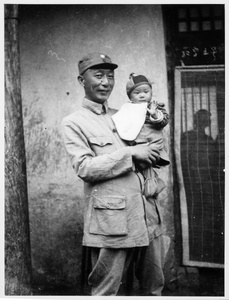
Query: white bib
column 130, row 119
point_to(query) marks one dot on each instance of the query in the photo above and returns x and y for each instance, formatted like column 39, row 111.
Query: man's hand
column 146, row 153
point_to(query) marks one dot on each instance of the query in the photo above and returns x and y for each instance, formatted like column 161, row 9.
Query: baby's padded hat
column 95, row 59
column 134, row 81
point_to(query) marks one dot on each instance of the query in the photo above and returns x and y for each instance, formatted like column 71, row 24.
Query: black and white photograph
column 114, row 149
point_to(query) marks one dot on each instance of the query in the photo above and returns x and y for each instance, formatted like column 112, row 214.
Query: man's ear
column 81, row 80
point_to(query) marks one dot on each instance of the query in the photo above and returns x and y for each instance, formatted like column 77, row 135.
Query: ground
column 210, row 283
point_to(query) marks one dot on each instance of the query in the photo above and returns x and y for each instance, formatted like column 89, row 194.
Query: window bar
column 193, row 102
column 209, row 170
column 199, row 175
column 209, row 107
column 199, row 19
column 212, row 18
column 219, row 150
column 192, row 236
column 188, row 20
column 192, row 195
column 200, row 92
column 185, row 105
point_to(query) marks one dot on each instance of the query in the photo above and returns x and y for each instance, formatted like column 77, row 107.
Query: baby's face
column 142, row 93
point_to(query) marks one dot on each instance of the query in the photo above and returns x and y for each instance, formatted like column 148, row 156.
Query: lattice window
column 199, row 136
column 197, row 18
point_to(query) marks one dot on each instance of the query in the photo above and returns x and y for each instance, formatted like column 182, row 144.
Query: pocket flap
column 101, row 140
column 109, row 202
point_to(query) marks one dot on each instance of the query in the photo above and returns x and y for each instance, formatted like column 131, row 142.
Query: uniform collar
column 95, row 107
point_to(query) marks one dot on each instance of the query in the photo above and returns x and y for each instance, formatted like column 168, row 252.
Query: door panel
column 199, row 152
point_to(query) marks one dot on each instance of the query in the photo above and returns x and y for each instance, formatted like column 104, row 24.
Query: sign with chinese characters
column 201, row 55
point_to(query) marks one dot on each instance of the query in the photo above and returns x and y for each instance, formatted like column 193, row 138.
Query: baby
column 141, row 120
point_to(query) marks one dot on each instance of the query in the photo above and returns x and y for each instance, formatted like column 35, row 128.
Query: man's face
column 98, row 84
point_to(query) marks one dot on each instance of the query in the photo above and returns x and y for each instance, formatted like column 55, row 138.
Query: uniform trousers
column 109, row 265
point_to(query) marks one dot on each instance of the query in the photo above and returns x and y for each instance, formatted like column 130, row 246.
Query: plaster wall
column 52, row 40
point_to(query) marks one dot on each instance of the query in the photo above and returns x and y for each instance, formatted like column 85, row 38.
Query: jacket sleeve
column 163, row 122
column 89, row 166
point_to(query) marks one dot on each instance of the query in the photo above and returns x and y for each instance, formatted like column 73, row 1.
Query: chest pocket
column 101, row 144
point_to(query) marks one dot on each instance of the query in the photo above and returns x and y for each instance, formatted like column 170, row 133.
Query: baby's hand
column 153, row 112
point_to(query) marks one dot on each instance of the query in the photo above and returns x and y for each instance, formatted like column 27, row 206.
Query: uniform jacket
column 117, row 215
